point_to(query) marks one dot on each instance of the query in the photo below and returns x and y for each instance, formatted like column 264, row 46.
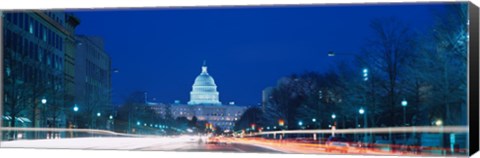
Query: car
column 212, row 140
column 337, row 143
column 215, row 140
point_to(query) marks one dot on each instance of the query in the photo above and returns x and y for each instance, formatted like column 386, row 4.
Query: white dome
column 204, row 90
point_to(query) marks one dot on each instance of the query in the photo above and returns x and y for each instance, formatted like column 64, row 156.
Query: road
column 183, row 143
column 192, row 143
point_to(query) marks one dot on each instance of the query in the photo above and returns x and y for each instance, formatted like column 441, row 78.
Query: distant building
column 92, row 75
column 71, row 22
column 36, row 47
column 266, row 96
column 205, row 104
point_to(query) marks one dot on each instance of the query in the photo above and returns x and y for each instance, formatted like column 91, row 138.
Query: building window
column 44, row 34
column 36, row 28
column 20, row 20
column 9, row 17
column 14, row 16
column 30, row 28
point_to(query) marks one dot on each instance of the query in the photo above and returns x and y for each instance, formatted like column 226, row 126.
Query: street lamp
column 44, row 102
column 404, row 105
column 334, row 116
column 314, row 120
column 362, row 112
column 110, row 117
column 300, row 123
column 99, row 114
column 365, row 74
column 438, row 122
column 75, row 108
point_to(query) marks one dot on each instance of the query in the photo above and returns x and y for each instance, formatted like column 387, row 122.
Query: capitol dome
column 204, row 90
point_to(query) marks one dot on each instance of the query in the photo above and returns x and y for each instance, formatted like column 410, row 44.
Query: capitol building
column 204, row 104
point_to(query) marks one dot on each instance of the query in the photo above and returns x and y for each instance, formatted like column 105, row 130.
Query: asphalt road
column 195, row 146
column 186, row 143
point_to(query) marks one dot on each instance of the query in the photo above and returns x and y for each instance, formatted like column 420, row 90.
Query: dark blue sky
column 247, row 49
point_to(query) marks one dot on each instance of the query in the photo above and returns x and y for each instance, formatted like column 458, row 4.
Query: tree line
column 426, row 69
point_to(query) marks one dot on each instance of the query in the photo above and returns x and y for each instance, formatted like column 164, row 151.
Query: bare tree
column 389, row 48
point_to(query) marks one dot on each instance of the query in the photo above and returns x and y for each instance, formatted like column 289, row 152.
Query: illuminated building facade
column 204, row 104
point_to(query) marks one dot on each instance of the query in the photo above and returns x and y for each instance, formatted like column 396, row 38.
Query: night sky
column 247, row 49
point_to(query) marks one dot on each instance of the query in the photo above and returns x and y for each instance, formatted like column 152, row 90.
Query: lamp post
column 75, row 110
column 334, row 124
column 362, row 112
column 98, row 119
column 44, row 102
column 404, row 105
column 314, row 121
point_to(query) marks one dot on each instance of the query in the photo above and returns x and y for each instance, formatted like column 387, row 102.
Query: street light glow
column 361, row 111
column 44, row 101
column 110, row 117
column 75, row 108
column 365, row 70
column 438, row 122
column 99, row 114
column 314, row 120
column 300, row 123
column 334, row 116
column 404, row 102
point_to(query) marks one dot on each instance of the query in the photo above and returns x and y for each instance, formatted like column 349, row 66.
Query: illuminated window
column 30, row 28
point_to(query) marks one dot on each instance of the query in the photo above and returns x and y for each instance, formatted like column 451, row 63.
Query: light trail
column 413, row 129
column 306, row 148
column 93, row 131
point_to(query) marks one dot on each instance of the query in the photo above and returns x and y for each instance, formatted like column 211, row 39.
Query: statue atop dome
column 204, row 67
column 204, row 90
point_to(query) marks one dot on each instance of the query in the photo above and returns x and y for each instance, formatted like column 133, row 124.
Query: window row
column 32, row 50
column 96, row 73
column 31, row 74
column 36, row 28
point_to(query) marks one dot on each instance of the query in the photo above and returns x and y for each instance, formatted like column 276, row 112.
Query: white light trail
column 413, row 129
column 93, row 131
